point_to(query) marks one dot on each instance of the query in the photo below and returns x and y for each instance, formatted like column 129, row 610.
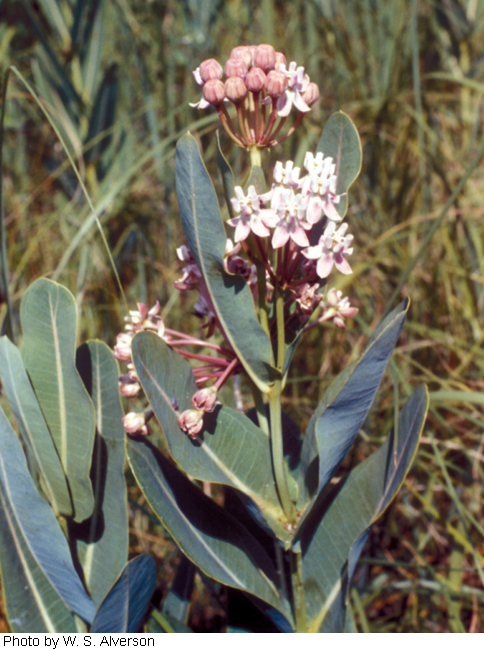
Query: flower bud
column 135, row 423
column 210, row 69
column 214, row 91
column 128, row 387
column 255, row 80
column 204, row 399
column 122, row 349
column 311, row 95
column 276, row 83
column 235, row 89
column 280, row 58
column 265, row 57
column 191, row 422
column 242, row 52
column 252, row 49
column 236, row 67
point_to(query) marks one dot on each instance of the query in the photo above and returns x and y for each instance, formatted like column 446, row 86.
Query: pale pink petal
column 280, row 237
column 325, row 264
column 299, row 103
column 300, row 237
column 342, row 265
column 313, row 252
column 330, row 211
column 284, row 103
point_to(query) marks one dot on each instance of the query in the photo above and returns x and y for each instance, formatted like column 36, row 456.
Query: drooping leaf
column 126, row 604
column 340, row 141
column 333, row 537
column 221, row 454
column 32, row 541
column 39, row 445
column 48, row 317
column 102, row 540
column 230, row 294
column 343, row 409
column 211, row 538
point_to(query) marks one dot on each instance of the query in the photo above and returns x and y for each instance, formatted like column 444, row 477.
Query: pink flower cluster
column 292, row 207
column 262, row 88
column 142, row 319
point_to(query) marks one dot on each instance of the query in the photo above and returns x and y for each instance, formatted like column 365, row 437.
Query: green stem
column 255, row 157
column 298, row 593
column 262, row 298
column 276, row 415
column 260, row 408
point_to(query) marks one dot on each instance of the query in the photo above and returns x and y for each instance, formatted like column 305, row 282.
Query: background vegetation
column 115, row 75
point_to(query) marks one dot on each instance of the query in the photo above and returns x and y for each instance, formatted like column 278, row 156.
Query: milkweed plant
column 279, row 543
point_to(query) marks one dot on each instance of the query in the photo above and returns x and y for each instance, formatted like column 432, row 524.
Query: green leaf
column 126, row 603
column 177, row 602
column 343, row 409
column 227, row 177
column 102, row 540
column 48, row 317
column 161, row 623
column 340, row 141
column 220, row 456
column 39, row 445
column 334, row 536
column 230, row 294
column 32, row 542
column 211, row 538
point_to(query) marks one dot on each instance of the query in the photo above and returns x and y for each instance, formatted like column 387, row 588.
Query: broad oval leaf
column 126, row 603
column 232, row 451
column 211, row 538
column 334, row 536
column 39, row 445
column 343, row 409
column 31, row 527
column 230, row 294
column 340, row 141
column 102, row 540
column 48, row 317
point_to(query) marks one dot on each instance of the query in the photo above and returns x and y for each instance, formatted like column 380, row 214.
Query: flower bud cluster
column 262, row 88
column 142, row 319
column 191, row 420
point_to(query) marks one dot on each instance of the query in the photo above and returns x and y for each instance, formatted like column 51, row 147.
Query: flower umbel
column 263, row 90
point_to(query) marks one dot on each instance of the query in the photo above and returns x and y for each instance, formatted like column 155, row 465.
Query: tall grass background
column 114, row 77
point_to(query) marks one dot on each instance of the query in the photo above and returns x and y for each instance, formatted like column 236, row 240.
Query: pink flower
column 297, row 83
column 135, row 423
column 290, row 210
column 191, row 273
column 205, row 399
column 332, row 249
column 287, row 174
column 338, row 308
column 307, row 296
column 191, row 422
column 122, row 349
column 203, row 102
column 129, row 387
column 251, row 215
column 320, row 185
column 204, row 310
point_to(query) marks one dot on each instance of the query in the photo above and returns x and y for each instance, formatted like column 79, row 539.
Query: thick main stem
column 276, row 415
